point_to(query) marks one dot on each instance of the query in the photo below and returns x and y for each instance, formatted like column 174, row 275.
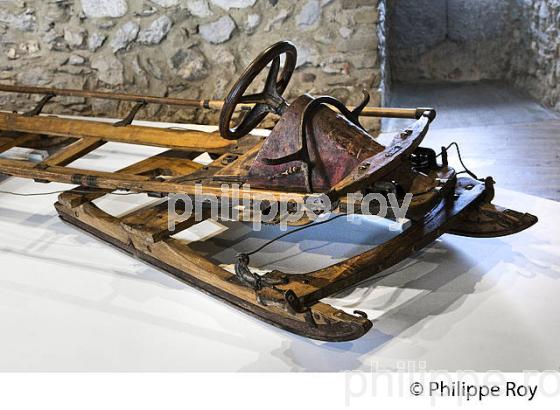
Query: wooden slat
column 15, row 142
column 173, row 166
column 137, row 183
column 240, row 167
column 178, row 162
column 169, row 138
column 152, row 222
column 73, row 151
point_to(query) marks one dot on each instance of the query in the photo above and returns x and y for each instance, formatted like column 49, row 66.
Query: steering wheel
column 267, row 101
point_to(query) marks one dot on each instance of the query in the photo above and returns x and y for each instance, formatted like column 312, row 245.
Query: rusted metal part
column 427, row 191
column 380, row 164
column 337, row 146
column 130, row 117
column 253, row 280
column 306, row 133
column 40, row 105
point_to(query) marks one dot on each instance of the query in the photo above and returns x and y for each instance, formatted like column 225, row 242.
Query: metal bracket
column 354, row 115
column 130, row 117
column 40, row 105
column 251, row 279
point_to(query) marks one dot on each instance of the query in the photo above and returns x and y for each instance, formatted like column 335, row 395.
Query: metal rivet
column 406, row 133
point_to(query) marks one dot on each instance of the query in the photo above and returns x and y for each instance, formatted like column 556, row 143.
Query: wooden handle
column 389, row 112
column 412, row 113
column 102, row 95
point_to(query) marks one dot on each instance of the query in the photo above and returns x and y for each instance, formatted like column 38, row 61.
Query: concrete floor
column 502, row 132
column 461, row 105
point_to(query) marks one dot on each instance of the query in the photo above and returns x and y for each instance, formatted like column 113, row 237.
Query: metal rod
column 102, row 95
column 411, row 113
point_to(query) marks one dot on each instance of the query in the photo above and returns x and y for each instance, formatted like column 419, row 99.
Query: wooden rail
column 412, row 113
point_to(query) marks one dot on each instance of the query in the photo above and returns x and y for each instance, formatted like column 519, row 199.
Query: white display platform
column 69, row 302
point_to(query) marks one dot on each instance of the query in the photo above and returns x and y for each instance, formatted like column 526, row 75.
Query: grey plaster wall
column 469, row 40
column 450, row 40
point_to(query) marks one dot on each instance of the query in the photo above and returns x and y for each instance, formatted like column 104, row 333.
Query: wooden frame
column 296, row 305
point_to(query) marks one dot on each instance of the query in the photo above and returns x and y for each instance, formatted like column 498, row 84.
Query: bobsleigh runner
column 318, row 150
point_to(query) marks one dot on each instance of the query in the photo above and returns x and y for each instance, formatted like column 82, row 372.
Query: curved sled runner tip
column 486, row 220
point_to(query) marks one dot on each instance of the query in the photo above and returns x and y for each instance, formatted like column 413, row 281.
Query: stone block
column 104, row 8
column 109, row 69
column 233, row 4
column 156, row 31
column 218, row 31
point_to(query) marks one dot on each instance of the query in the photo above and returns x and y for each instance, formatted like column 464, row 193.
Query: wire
column 68, row 190
column 465, row 169
column 260, row 248
column 91, row 192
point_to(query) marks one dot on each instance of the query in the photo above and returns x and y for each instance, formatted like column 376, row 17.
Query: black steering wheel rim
column 265, row 102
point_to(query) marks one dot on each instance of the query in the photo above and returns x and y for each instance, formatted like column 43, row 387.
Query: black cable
column 468, row 171
column 291, row 232
column 257, row 282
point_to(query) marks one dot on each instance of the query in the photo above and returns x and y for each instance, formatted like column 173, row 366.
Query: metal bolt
column 406, row 133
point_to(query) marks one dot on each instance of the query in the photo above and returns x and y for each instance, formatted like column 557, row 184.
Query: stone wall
column 536, row 63
column 181, row 48
column 383, row 50
column 450, row 40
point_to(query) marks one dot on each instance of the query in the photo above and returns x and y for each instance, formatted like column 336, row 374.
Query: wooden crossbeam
column 137, row 183
column 152, row 222
column 168, row 165
column 73, row 151
column 175, row 162
column 198, row 141
column 15, row 141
